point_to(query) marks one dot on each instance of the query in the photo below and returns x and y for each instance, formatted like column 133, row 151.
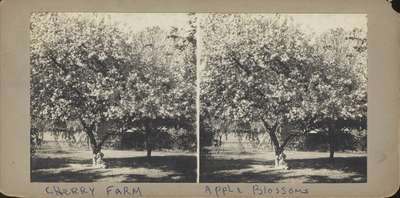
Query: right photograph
column 283, row 98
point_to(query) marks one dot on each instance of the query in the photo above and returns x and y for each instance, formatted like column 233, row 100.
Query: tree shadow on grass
column 354, row 170
column 235, row 170
column 346, row 164
column 357, row 166
column 173, row 168
column 69, row 176
column 268, row 176
column 54, row 163
column 180, row 168
column 327, row 179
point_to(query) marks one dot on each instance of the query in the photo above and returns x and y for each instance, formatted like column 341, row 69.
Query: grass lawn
column 304, row 167
column 51, row 165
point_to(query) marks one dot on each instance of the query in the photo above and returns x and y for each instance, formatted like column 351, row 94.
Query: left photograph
column 113, row 97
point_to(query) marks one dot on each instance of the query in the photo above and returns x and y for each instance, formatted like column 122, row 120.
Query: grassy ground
column 50, row 165
column 304, row 167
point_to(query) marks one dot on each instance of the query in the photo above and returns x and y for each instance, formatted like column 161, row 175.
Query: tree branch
column 248, row 73
column 105, row 138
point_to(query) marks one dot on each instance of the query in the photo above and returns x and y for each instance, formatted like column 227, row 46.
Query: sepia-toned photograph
column 113, row 97
column 283, row 98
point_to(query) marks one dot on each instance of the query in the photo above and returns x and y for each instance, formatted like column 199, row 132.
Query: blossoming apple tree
column 266, row 69
column 86, row 69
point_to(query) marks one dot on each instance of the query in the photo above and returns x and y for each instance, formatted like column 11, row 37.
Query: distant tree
column 166, row 95
column 340, row 86
column 162, row 93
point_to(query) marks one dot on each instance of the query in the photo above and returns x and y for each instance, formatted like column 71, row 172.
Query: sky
column 139, row 21
column 322, row 22
column 317, row 23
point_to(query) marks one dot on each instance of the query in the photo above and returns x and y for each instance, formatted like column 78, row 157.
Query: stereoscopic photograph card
column 199, row 99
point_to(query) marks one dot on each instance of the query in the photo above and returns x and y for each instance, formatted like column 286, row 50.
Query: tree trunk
column 276, row 147
column 278, row 150
column 276, row 161
column 97, row 155
column 331, row 136
column 148, row 152
column 88, row 143
column 96, row 149
column 92, row 141
column 149, row 145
